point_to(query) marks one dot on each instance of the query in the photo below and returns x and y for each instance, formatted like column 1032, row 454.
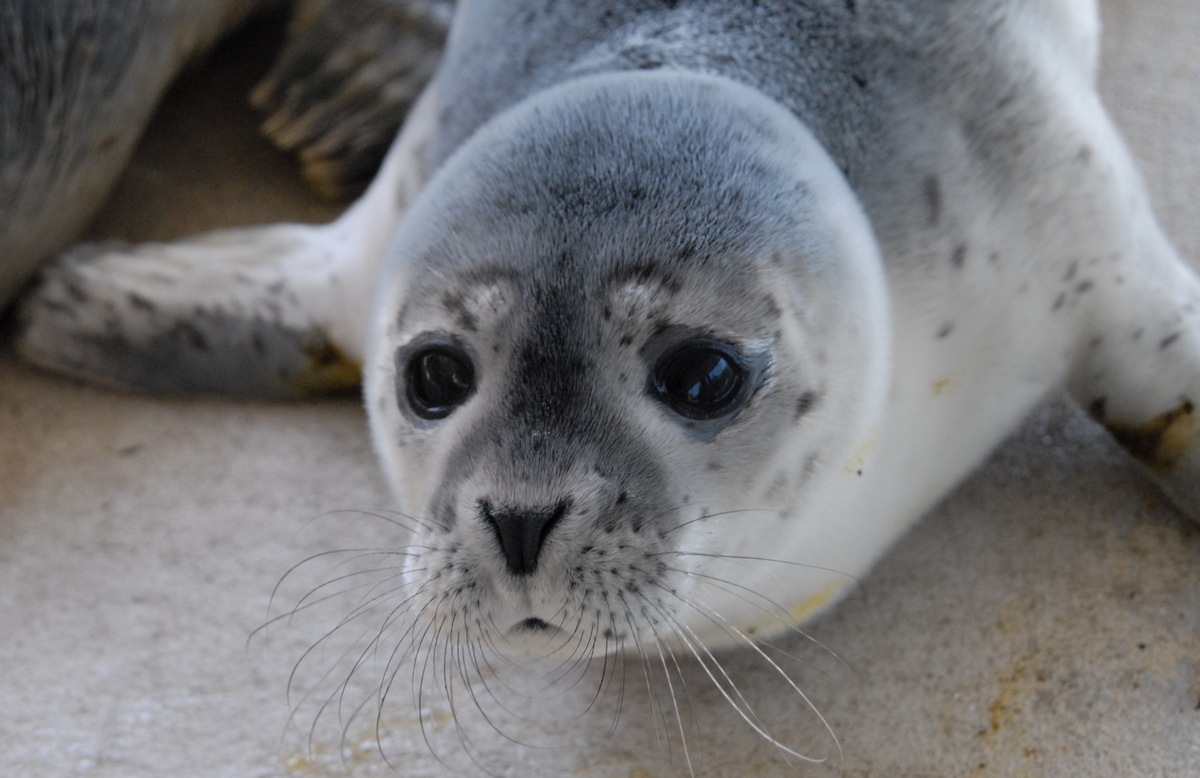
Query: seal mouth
column 533, row 626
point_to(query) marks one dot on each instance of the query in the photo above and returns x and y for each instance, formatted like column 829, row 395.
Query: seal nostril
column 522, row 532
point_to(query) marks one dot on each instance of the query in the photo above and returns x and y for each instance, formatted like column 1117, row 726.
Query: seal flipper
column 345, row 80
column 241, row 311
column 276, row 311
column 1140, row 376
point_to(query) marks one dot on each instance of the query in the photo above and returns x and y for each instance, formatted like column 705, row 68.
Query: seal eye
column 439, row 378
column 700, row 380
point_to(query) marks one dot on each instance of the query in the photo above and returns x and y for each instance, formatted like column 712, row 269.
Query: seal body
column 685, row 311
column 890, row 214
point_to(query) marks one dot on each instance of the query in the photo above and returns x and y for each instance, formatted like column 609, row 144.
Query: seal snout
column 522, row 532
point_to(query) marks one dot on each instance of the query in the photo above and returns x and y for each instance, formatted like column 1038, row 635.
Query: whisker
column 789, row 562
column 395, row 518
column 731, row 629
column 718, row 515
column 780, row 613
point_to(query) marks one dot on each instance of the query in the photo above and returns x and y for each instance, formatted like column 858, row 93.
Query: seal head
column 629, row 305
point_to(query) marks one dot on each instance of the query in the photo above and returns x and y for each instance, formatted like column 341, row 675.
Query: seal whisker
column 717, row 619
column 717, row 515
column 404, row 553
column 393, row 517
column 687, row 754
column 744, row 710
column 340, row 691
column 755, row 600
column 325, row 638
column 771, row 560
column 661, row 730
column 614, row 647
column 425, row 651
column 665, row 649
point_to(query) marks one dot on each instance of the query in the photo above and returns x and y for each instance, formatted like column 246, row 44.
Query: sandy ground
column 1044, row 620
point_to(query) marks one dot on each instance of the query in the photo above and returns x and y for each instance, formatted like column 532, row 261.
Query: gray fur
column 78, row 83
column 80, row 80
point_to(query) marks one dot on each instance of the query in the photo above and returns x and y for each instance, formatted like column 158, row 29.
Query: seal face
column 584, row 360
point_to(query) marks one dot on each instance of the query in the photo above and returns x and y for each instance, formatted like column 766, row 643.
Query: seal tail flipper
column 345, row 80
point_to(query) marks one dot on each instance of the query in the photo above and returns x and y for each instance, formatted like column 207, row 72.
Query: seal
column 80, row 81
column 684, row 312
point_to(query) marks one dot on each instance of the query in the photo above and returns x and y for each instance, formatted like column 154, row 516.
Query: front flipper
column 1140, row 376
column 261, row 311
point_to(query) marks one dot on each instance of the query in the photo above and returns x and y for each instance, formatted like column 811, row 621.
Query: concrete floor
column 1045, row 620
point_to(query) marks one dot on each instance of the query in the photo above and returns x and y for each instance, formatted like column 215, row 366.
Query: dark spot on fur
column 1098, row 409
column 626, row 340
column 58, row 308
column 1071, row 271
column 456, row 304
column 859, row 81
column 1059, row 301
column 946, row 329
column 777, row 486
column 1083, row 287
column 75, row 292
column 806, row 403
column 1085, row 154
column 142, row 303
column 192, row 336
column 959, row 257
column 1137, row 334
column 933, row 199
column 1166, row 342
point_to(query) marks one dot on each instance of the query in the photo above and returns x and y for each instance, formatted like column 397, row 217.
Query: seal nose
column 522, row 532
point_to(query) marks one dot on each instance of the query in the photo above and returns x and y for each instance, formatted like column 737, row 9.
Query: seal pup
column 684, row 312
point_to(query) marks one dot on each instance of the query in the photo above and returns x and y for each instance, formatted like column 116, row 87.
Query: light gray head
column 628, row 303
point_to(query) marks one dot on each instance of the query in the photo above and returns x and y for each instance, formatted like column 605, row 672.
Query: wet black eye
column 700, row 380
column 439, row 379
